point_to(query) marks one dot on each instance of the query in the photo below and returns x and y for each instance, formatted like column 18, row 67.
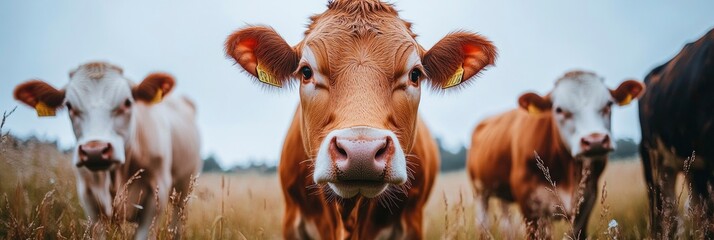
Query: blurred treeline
column 450, row 160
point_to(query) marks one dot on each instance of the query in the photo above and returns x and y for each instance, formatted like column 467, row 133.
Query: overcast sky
column 537, row 41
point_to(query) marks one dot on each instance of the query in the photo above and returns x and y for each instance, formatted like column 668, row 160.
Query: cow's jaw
column 360, row 161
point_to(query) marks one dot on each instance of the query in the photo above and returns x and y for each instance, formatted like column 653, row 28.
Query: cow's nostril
column 341, row 151
column 107, row 149
column 338, row 151
column 82, row 153
column 383, row 150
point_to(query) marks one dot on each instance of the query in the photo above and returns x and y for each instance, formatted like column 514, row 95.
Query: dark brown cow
column 677, row 119
column 569, row 128
column 358, row 162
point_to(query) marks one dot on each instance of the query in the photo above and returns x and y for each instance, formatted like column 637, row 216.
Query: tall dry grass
column 38, row 199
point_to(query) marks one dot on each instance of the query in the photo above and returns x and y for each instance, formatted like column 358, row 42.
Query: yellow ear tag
column 43, row 110
column 626, row 101
column 532, row 109
column 266, row 78
column 159, row 95
column 454, row 79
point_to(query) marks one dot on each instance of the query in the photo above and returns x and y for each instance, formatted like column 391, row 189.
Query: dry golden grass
column 38, row 200
column 626, row 199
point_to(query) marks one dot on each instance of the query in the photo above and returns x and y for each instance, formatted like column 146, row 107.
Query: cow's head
column 100, row 102
column 360, row 73
column 581, row 106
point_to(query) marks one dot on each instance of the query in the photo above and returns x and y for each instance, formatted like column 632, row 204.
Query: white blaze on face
column 581, row 107
column 98, row 110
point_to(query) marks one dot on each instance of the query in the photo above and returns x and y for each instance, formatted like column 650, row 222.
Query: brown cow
column 122, row 128
column 569, row 129
column 357, row 162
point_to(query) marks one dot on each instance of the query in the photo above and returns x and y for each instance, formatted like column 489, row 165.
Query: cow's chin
column 363, row 188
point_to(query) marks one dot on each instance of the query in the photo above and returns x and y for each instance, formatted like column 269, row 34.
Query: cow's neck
column 348, row 209
column 145, row 143
column 98, row 185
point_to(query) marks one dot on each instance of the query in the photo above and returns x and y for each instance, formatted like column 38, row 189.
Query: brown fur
column 633, row 88
column 265, row 44
column 469, row 50
column 35, row 91
column 146, row 90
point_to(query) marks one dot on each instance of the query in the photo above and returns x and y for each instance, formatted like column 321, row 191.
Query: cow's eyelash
column 300, row 66
column 421, row 68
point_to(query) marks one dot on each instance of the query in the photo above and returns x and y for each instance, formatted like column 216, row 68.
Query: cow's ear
column 458, row 57
column 535, row 103
column 261, row 52
column 628, row 90
column 154, row 88
column 41, row 96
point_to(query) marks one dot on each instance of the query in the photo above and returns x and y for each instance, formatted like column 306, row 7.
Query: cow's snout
column 95, row 155
column 361, row 159
column 596, row 144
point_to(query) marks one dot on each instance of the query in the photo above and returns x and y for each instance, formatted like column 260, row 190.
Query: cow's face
column 360, row 78
column 581, row 106
column 100, row 103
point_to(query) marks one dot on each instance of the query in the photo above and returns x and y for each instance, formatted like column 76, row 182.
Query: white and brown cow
column 121, row 128
column 356, row 139
column 569, row 129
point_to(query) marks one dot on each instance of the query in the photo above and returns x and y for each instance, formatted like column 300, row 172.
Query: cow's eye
column 127, row 103
column 415, row 75
column 72, row 111
column 563, row 112
column 306, row 72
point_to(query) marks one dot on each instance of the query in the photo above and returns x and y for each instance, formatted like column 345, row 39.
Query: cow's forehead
column 97, row 85
column 386, row 53
column 360, row 33
column 580, row 90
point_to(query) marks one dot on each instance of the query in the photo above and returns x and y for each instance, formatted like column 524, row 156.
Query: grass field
column 38, row 200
